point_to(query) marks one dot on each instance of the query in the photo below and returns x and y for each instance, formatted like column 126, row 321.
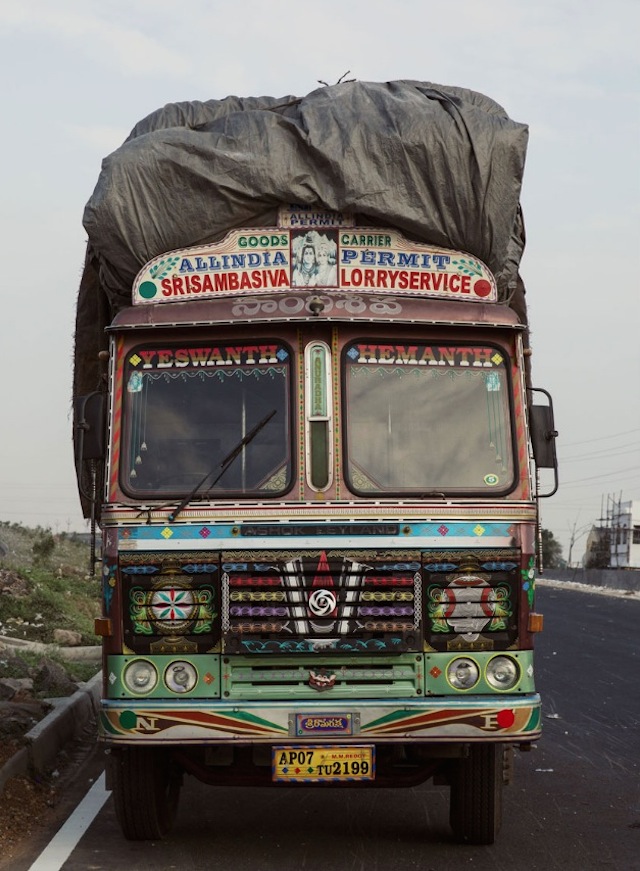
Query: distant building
column 625, row 535
column 598, row 548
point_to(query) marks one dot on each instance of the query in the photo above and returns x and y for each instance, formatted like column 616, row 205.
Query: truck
column 305, row 430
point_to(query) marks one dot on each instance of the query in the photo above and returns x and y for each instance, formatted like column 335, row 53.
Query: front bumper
column 438, row 720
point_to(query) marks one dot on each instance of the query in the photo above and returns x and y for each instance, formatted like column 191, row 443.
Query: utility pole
column 575, row 535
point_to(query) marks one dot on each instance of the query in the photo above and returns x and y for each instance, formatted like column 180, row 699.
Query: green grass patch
column 55, row 590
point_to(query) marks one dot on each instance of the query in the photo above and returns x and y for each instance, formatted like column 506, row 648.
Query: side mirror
column 90, row 424
column 543, row 437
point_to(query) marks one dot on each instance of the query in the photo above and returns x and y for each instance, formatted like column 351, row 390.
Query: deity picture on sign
column 314, row 258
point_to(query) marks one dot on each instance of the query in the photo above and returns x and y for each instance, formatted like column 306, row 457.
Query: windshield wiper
column 224, row 465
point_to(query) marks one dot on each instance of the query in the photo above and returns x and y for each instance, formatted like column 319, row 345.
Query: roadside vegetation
column 45, row 585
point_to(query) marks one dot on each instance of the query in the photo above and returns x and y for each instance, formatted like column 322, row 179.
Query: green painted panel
column 309, row 677
column 167, row 670
column 437, row 683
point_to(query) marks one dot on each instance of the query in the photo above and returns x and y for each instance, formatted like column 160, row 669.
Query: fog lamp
column 463, row 673
column 140, row 677
column 502, row 673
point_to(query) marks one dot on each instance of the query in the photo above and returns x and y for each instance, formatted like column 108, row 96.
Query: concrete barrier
column 627, row 580
column 66, row 721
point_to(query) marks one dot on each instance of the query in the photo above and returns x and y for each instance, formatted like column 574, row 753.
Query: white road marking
column 56, row 853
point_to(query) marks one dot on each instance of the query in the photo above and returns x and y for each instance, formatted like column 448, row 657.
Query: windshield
column 427, row 419
column 186, row 408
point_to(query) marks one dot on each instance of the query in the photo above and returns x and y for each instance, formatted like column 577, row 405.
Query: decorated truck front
column 319, row 521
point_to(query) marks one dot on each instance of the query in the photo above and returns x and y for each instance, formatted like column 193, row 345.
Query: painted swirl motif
column 322, row 603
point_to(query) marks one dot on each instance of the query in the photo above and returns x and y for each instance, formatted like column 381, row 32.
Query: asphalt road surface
column 574, row 804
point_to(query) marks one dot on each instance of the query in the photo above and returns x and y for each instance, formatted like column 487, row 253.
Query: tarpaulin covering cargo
column 442, row 164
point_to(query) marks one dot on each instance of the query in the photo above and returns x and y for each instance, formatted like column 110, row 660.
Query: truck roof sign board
column 313, row 249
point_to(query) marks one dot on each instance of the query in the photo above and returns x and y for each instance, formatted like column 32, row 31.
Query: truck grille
column 314, row 602
column 305, row 677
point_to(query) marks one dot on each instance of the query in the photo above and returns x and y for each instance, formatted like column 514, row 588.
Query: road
column 574, row 803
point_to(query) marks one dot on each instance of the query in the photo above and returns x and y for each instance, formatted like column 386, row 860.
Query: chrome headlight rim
column 137, row 666
column 493, row 664
column 180, row 686
column 468, row 664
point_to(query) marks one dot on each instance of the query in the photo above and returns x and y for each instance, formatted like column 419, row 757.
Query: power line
column 616, row 453
column 579, row 482
column 602, row 438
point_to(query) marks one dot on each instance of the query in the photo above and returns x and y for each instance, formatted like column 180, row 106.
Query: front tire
column 476, row 795
column 146, row 787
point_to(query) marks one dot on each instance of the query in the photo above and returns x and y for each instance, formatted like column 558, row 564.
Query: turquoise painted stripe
column 440, row 530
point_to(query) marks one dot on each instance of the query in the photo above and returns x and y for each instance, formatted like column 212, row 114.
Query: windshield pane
column 187, row 408
column 424, row 418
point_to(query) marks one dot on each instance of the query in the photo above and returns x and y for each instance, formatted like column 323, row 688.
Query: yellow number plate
column 326, row 763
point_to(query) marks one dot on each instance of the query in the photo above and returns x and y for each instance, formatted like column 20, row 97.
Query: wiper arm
column 224, row 465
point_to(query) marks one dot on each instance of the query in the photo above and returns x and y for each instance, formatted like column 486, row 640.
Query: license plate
column 322, row 764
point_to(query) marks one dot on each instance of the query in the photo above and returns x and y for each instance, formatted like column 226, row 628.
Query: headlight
column 503, row 673
column 462, row 673
column 140, row 677
column 181, row 677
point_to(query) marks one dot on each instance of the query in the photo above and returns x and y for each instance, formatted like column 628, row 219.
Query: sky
column 79, row 75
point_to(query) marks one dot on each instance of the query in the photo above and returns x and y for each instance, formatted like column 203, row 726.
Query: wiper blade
column 224, row 465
